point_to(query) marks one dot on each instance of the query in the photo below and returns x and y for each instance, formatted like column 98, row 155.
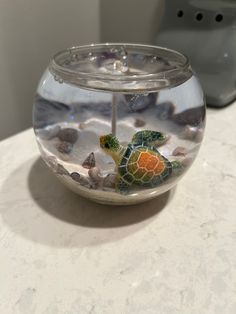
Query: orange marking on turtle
column 151, row 162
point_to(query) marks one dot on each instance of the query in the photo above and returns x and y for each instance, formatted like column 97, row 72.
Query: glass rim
column 78, row 77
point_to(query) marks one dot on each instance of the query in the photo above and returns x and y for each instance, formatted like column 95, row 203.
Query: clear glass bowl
column 119, row 123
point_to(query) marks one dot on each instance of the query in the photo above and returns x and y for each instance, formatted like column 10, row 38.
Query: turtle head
column 109, row 143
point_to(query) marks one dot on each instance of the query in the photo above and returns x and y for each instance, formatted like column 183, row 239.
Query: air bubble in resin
column 108, row 132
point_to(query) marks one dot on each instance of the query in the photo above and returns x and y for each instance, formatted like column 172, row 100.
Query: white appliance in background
column 205, row 31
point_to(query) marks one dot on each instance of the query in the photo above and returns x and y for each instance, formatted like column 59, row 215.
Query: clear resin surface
column 118, row 137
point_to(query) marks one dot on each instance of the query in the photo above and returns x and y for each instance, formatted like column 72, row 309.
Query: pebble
column 89, row 162
column 179, row 151
column 110, row 181
column 165, row 110
column 75, row 176
column 49, row 132
column 81, row 179
column 64, row 147
column 140, row 102
column 187, row 162
column 192, row 116
column 192, row 133
column 139, row 123
column 68, row 135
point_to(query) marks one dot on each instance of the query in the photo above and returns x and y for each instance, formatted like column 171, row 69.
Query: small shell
column 138, row 123
column 110, row 180
column 89, row 162
column 62, row 170
column 95, row 174
column 68, row 135
column 64, row 147
column 179, row 151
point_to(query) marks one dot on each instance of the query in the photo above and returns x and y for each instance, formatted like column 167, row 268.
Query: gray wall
column 30, row 32
column 33, row 30
column 130, row 20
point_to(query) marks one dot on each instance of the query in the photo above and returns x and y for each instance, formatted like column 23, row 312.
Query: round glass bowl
column 119, row 123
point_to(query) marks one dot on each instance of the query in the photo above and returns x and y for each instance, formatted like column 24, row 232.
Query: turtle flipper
column 147, row 138
column 122, row 186
column 177, row 167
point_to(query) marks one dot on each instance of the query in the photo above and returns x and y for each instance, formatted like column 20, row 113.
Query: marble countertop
column 60, row 253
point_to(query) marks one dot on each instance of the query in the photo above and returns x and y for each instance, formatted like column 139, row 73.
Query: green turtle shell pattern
column 144, row 166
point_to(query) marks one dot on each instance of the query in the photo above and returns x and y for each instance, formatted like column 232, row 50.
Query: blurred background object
column 205, row 31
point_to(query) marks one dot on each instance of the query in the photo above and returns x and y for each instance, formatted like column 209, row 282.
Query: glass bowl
column 119, row 123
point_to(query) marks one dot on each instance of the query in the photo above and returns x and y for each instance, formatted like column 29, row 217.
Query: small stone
column 139, row 123
column 179, row 151
column 110, row 181
column 75, row 176
column 140, row 102
column 192, row 116
column 62, row 170
column 64, row 147
column 68, row 135
column 186, row 162
column 199, row 135
column 81, row 180
column 165, row 110
column 49, row 132
column 193, row 133
column 89, row 162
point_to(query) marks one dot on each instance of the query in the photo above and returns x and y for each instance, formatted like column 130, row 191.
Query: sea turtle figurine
column 139, row 163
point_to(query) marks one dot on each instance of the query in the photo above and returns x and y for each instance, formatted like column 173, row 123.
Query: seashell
column 64, row 147
column 89, row 162
column 68, row 135
column 165, row 110
column 95, row 174
column 138, row 123
column 49, row 132
column 179, row 151
column 110, row 181
column 62, row 170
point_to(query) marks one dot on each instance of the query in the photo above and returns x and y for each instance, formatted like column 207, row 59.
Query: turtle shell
column 144, row 166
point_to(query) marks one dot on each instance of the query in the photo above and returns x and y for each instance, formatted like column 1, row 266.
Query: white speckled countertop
column 60, row 253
